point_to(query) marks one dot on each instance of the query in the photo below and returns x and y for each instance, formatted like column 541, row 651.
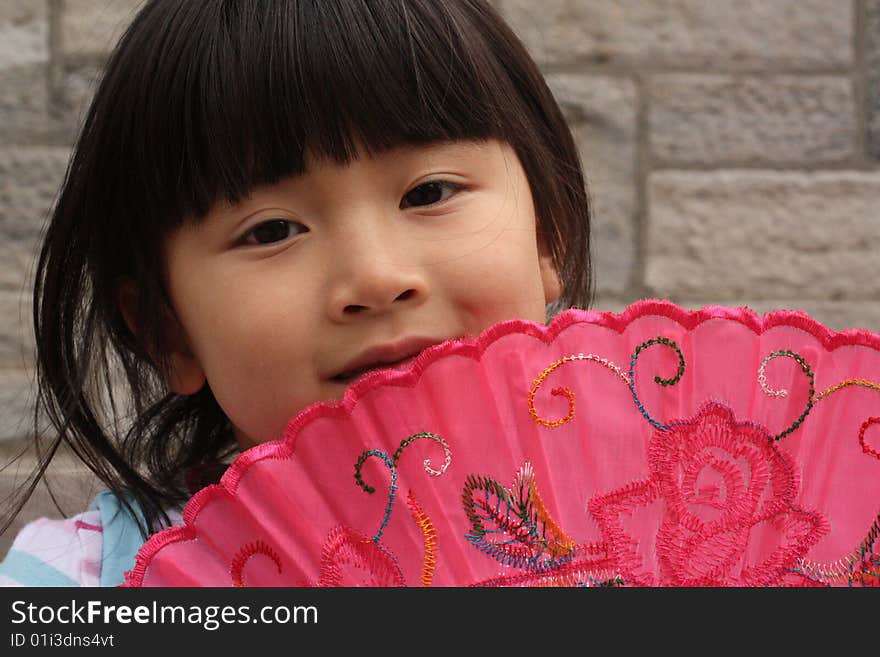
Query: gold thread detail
column 561, row 391
column 430, row 535
column 559, row 544
column 864, row 383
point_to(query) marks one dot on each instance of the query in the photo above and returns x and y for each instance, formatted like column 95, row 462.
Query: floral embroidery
column 719, row 480
column 345, row 546
column 236, row 569
column 349, row 558
column 514, row 528
column 866, row 448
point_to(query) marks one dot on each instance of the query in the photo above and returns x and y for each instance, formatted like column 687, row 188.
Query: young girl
column 268, row 199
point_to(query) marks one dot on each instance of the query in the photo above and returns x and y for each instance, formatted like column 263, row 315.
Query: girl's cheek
column 495, row 289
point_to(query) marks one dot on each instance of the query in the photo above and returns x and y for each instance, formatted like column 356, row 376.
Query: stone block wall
column 732, row 150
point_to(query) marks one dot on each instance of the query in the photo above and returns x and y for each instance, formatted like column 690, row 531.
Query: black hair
column 202, row 100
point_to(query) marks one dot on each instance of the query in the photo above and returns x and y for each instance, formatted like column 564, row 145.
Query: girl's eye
column 269, row 232
column 429, row 193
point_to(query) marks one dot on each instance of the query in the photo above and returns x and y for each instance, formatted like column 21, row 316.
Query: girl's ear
column 549, row 275
column 185, row 375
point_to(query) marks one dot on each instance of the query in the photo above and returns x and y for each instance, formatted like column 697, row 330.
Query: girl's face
column 284, row 299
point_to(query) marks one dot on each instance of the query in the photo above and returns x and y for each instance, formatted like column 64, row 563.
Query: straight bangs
column 234, row 94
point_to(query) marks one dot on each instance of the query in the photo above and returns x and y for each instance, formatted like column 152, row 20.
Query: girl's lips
column 352, row 375
column 390, row 355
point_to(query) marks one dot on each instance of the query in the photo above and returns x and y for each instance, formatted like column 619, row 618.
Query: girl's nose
column 374, row 277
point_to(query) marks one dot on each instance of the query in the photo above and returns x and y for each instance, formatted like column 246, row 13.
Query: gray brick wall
column 732, row 148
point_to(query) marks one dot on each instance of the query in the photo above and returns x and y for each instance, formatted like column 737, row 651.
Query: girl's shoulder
column 56, row 553
column 93, row 548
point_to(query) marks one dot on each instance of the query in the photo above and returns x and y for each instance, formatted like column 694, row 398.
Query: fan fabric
column 656, row 447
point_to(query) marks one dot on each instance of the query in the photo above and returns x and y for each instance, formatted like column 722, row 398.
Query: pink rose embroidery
column 349, row 558
column 723, row 486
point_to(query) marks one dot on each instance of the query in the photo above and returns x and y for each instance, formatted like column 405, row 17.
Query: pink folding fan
column 655, row 447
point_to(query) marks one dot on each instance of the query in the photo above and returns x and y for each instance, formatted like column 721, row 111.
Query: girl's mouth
column 352, row 375
column 391, row 355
